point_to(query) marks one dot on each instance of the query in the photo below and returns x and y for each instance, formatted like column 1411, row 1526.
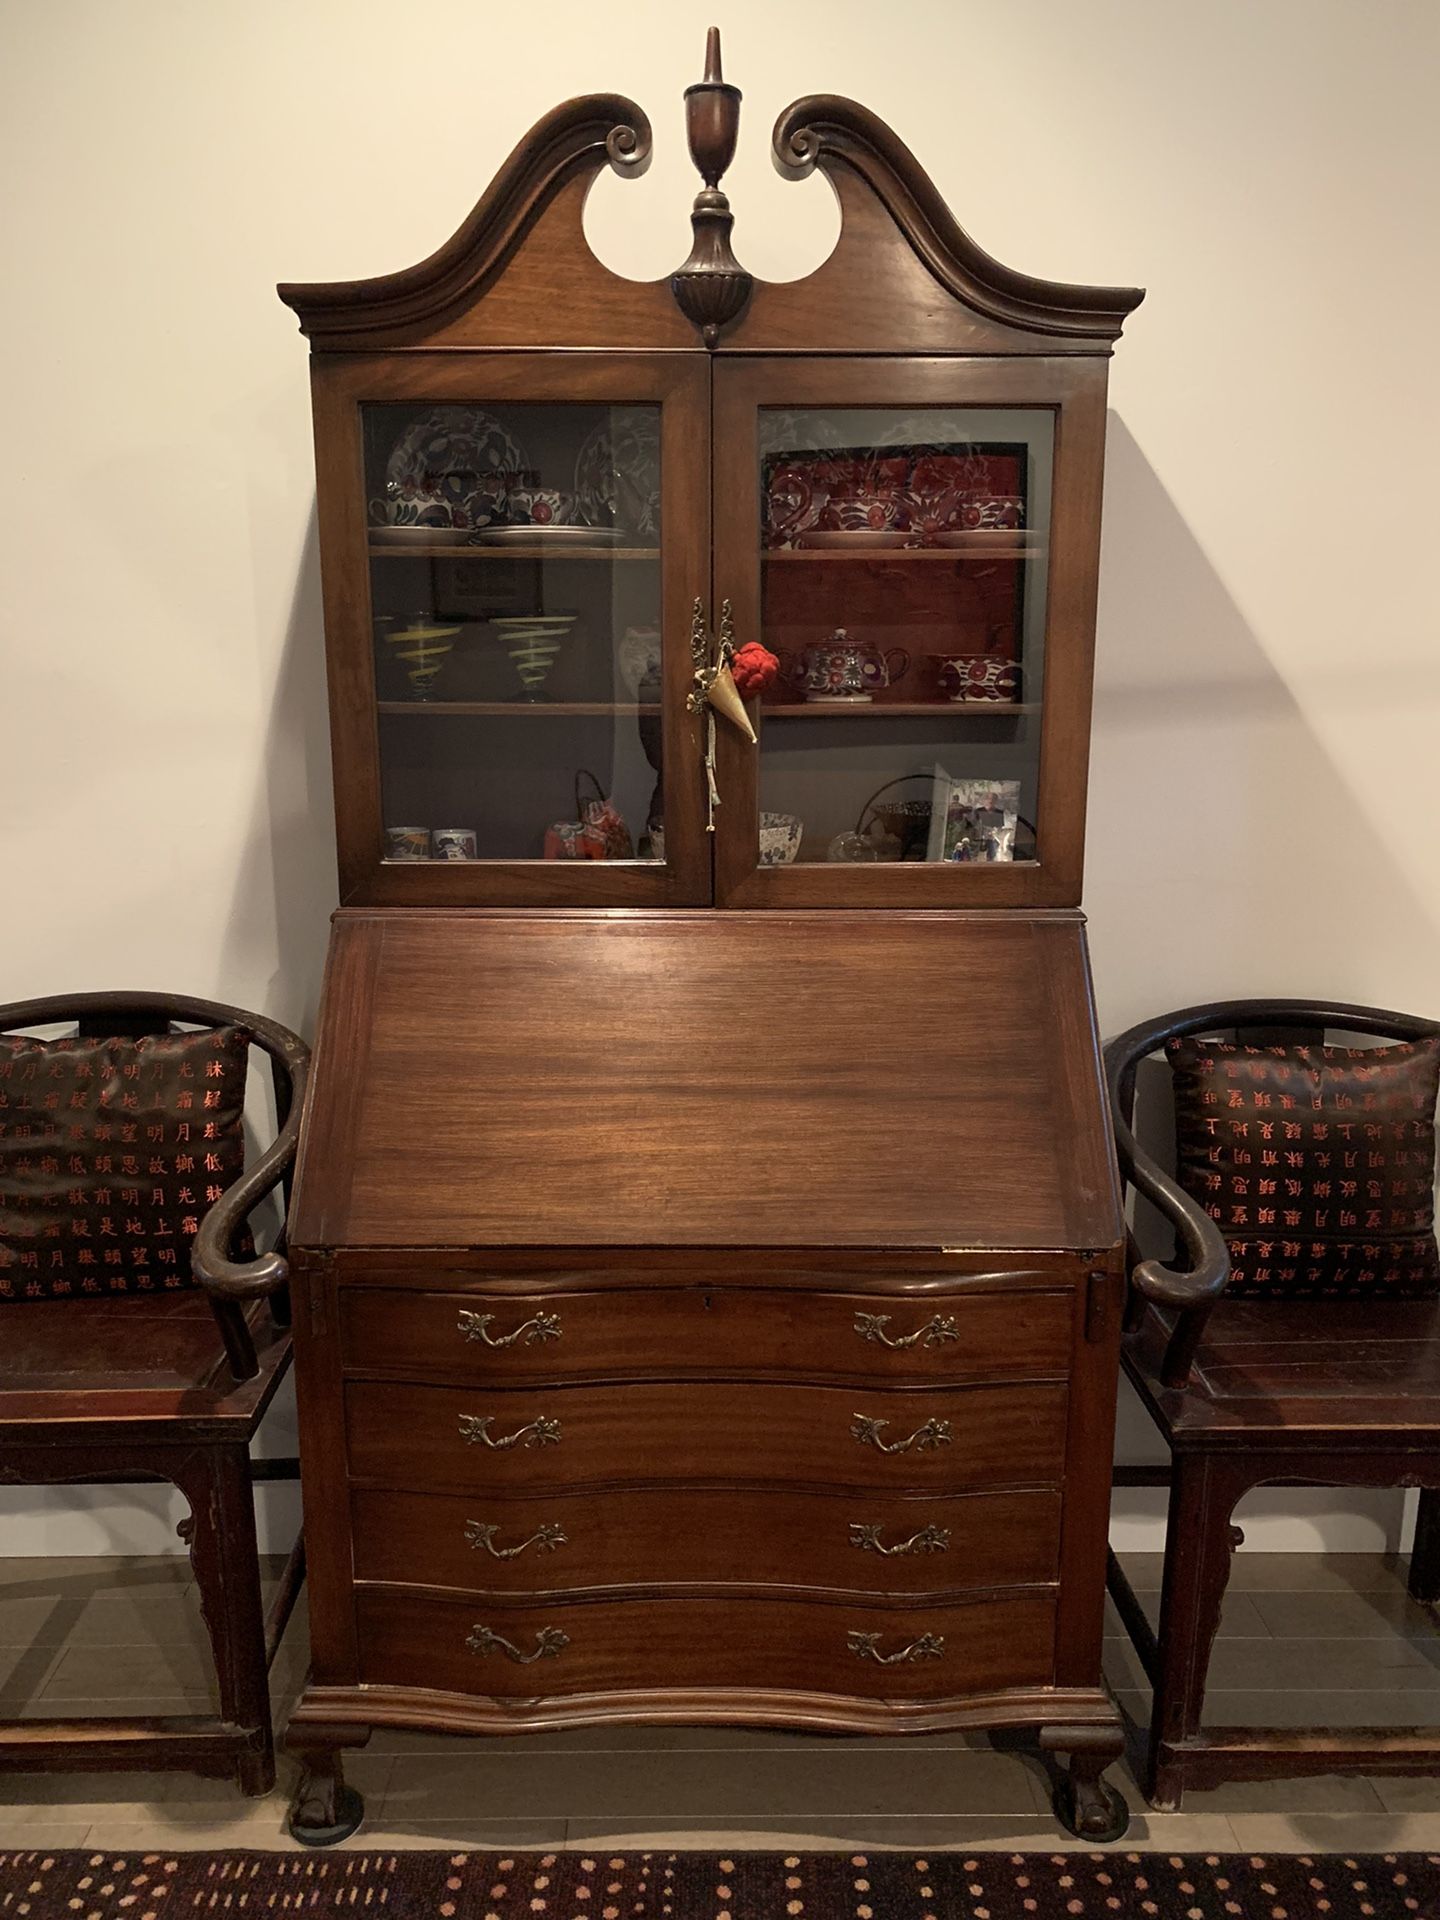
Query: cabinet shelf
column 517, row 552
column 907, row 555
column 516, row 708
column 895, row 709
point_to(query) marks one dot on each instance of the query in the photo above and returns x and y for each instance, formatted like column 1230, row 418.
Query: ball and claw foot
column 1091, row 1809
column 325, row 1809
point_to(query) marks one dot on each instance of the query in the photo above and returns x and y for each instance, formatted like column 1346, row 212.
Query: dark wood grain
column 905, row 277
column 1249, row 1393
column 324, row 1468
column 518, row 271
column 687, row 1433
column 652, row 1536
column 706, row 1333
column 163, row 1388
column 324, row 1714
column 408, row 1639
column 946, row 1123
column 1075, row 390
column 341, row 386
column 705, row 1140
column 898, row 1274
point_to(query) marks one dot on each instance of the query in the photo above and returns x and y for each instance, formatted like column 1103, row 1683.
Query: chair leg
column 1199, row 1541
column 220, row 1533
column 1424, row 1582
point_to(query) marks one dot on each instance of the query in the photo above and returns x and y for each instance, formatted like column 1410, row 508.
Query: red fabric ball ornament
column 754, row 668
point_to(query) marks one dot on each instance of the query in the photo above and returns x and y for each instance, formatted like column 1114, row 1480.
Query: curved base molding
column 328, row 1714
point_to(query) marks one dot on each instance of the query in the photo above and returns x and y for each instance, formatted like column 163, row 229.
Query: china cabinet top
column 904, row 276
column 706, row 590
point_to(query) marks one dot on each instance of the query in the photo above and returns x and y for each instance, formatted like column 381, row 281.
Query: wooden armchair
column 167, row 1387
column 1254, row 1391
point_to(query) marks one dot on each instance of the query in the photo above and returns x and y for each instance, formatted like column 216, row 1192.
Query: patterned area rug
column 707, row 1886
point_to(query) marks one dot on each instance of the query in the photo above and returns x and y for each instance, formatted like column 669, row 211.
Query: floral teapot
column 845, row 671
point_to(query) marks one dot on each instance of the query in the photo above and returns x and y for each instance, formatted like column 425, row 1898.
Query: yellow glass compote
column 424, row 647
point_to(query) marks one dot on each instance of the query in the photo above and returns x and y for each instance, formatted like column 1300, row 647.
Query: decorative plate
column 563, row 536
column 617, row 473
column 451, row 467
column 861, row 537
column 983, row 539
column 426, row 536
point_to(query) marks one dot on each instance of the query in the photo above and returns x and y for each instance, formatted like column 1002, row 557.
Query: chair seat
column 138, row 1360
column 1322, row 1372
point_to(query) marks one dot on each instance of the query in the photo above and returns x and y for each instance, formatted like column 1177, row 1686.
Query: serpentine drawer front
column 959, row 1334
column 461, row 1439
column 510, row 1651
column 876, row 1542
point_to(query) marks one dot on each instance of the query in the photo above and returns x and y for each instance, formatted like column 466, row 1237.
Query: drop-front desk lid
column 713, row 1079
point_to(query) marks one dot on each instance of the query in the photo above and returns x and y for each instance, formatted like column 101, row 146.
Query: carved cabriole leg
column 1085, row 1804
column 1199, row 1542
column 325, row 1809
column 220, row 1533
column 1424, row 1580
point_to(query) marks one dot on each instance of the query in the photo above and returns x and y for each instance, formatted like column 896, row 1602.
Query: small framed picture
column 973, row 819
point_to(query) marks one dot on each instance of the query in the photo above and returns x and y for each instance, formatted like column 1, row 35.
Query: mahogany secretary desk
column 706, row 1238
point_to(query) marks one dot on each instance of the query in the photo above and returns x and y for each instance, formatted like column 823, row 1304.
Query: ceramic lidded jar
column 845, row 671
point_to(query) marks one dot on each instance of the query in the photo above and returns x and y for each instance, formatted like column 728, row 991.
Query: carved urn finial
column 712, row 287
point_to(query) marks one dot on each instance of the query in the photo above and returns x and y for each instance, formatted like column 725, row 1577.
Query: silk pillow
column 110, row 1153
column 1316, row 1163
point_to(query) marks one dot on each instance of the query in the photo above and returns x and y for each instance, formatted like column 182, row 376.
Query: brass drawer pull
column 549, row 1539
column 866, row 1646
column 927, row 1540
column 541, row 1432
column 935, row 1332
column 549, row 1642
column 934, row 1433
column 476, row 1326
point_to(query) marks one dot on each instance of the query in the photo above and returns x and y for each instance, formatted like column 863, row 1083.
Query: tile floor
column 1304, row 1639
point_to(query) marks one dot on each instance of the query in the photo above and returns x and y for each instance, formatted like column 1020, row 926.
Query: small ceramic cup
column 988, row 678
column 992, row 511
column 417, row 507
column 878, row 510
column 407, row 843
column 540, row 507
column 452, row 843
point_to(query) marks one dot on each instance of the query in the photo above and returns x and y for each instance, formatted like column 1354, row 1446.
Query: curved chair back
column 1192, row 1290
column 228, row 1283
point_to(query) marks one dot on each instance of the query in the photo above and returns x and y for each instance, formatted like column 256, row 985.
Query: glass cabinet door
column 528, row 738
column 897, row 556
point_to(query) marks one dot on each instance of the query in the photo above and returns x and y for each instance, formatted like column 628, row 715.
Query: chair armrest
column 1200, row 1283
column 225, row 1279
column 1189, row 1291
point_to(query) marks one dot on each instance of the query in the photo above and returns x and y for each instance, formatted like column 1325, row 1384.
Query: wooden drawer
column 457, row 1439
column 665, row 1332
column 559, row 1542
column 625, row 1646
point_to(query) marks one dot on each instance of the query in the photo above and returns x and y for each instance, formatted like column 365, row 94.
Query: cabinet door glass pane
column 903, row 588
column 515, row 591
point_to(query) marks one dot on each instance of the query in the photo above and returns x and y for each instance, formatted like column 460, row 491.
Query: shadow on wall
column 1229, row 854
column 291, row 844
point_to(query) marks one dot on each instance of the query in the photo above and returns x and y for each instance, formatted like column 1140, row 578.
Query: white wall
column 1264, row 791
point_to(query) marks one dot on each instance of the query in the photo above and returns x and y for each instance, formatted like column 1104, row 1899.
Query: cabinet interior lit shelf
column 905, row 555
column 516, row 552
column 473, row 708
column 894, row 709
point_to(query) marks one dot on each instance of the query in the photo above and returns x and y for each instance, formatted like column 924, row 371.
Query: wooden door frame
column 1073, row 387
column 344, row 382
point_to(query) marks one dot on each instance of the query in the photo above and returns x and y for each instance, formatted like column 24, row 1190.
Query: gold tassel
column 724, row 697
